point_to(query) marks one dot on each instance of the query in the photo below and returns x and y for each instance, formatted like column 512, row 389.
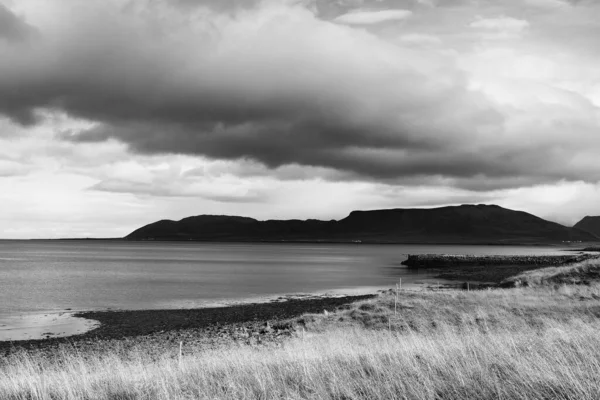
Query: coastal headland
column 465, row 224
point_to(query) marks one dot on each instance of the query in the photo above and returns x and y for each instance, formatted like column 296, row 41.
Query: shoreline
column 69, row 322
column 41, row 326
column 237, row 319
column 211, row 326
column 432, row 340
column 30, row 327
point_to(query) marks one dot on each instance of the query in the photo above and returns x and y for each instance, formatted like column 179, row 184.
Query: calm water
column 38, row 276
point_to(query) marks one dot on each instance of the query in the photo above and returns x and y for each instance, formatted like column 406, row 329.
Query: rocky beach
column 198, row 329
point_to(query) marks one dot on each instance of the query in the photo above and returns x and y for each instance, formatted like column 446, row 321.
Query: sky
column 118, row 113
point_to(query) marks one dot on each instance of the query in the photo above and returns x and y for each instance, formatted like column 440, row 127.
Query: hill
column 589, row 224
column 469, row 224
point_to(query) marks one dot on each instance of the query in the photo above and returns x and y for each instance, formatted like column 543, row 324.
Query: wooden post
column 180, row 352
column 396, row 301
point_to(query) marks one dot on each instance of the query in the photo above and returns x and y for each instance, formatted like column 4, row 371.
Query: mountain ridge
column 466, row 224
column 589, row 224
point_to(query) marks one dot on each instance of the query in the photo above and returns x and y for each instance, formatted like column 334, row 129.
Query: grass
column 563, row 362
column 537, row 342
column 582, row 273
column 487, row 310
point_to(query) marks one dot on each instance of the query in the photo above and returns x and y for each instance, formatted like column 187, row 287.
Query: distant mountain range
column 589, row 224
column 466, row 224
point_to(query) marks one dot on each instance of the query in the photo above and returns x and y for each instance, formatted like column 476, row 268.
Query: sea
column 39, row 277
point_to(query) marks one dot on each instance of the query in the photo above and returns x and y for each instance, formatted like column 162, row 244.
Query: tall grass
column 486, row 310
column 528, row 343
column 584, row 272
column 560, row 363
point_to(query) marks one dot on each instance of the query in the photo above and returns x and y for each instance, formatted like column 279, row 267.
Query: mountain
column 471, row 224
column 589, row 224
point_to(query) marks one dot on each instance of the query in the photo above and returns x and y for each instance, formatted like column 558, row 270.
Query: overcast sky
column 117, row 113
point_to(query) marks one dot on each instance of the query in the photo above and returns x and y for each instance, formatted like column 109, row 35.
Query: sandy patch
column 43, row 326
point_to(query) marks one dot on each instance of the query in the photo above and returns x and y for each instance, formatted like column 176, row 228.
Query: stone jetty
column 594, row 249
column 452, row 260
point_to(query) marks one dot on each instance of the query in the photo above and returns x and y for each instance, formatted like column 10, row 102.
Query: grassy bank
column 583, row 273
column 561, row 363
column 525, row 343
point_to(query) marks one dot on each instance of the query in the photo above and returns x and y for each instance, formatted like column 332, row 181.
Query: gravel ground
column 162, row 331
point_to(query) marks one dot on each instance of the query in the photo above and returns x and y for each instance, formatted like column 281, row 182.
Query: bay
column 51, row 276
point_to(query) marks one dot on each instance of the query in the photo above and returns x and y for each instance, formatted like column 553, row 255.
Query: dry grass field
column 583, row 273
column 537, row 342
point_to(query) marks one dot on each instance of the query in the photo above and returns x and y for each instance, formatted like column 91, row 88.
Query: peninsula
column 465, row 224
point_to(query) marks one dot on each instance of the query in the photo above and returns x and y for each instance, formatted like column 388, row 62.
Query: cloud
column 421, row 39
column 275, row 84
column 13, row 28
column 500, row 27
column 219, row 5
column 223, row 193
column 501, row 24
column 548, row 3
column 12, row 168
column 160, row 176
column 116, row 113
column 362, row 17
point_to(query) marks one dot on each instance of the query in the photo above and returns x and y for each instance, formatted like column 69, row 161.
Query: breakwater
column 594, row 249
column 454, row 260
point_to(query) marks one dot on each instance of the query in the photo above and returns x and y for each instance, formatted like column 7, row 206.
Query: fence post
column 396, row 301
column 180, row 353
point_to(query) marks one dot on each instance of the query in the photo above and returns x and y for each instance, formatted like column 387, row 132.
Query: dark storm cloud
column 13, row 32
column 12, row 28
column 274, row 84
